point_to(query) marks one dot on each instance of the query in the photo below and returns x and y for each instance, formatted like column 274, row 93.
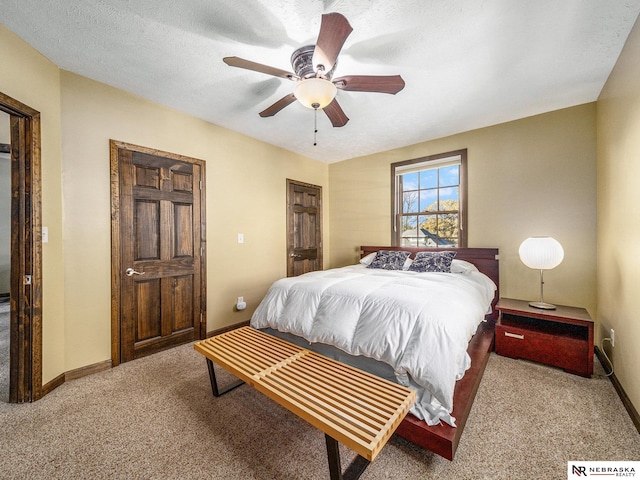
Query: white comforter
column 418, row 323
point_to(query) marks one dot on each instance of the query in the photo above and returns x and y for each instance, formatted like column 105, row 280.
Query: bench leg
column 214, row 383
column 353, row 471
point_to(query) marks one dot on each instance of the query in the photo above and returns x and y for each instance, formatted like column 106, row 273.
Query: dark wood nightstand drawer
column 562, row 337
column 560, row 351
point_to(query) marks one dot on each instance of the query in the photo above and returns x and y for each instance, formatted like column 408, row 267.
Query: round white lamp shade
column 541, row 253
column 315, row 92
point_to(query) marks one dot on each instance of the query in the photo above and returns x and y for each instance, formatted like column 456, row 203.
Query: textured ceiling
column 466, row 63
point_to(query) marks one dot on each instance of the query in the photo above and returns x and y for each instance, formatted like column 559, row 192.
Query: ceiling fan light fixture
column 315, row 93
column 314, row 66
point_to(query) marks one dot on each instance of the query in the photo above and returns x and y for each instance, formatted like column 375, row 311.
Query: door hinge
column 201, row 318
column 200, row 184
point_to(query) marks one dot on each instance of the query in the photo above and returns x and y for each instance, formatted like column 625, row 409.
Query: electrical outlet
column 613, row 337
column 240, row 304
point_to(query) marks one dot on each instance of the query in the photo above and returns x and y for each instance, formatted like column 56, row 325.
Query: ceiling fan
column 314, row 65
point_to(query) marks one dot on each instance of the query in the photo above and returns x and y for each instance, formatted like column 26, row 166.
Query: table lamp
column 541, row 253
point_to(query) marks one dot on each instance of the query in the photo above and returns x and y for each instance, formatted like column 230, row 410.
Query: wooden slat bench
column 350, row 406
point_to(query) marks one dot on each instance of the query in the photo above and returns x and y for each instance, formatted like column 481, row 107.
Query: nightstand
column 562, row 337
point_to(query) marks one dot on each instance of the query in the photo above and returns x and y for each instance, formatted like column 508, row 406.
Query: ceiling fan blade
column 279, row 105
column 336, row 114
column 334, row 30
column 258, row 67
column 370, row 83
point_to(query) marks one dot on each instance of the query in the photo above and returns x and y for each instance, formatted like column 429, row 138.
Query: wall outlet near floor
column 613, row 337
column 241, row 304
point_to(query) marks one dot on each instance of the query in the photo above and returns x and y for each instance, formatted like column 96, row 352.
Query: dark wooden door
column 304, row 228
column 161, row 250
column 25, row 365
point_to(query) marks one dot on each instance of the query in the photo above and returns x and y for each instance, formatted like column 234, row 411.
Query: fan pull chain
column 315, row 106
column 315, row 127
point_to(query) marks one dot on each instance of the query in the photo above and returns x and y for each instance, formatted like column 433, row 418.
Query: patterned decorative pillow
column 432, row 262
column 389, row 260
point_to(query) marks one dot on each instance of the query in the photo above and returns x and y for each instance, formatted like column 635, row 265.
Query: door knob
column 131, row 272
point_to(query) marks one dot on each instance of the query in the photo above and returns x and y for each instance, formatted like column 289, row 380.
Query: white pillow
column 461, row 266
column 366, row 260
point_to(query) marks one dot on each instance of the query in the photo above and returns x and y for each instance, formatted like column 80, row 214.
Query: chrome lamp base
column 542, row 305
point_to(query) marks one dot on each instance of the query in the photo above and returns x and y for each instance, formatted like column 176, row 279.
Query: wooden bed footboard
column 443, row 439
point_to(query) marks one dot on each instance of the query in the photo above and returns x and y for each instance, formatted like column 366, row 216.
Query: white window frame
column 458, row 157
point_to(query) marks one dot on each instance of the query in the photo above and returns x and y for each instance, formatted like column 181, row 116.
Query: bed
column 429, row 331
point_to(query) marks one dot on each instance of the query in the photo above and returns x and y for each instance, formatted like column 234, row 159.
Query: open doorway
column 5, row 253
column 25, row 278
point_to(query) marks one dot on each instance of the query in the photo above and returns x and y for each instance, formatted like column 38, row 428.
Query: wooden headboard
column 486, row 259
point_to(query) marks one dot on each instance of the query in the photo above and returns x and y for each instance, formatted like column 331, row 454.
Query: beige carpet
column 155, row 418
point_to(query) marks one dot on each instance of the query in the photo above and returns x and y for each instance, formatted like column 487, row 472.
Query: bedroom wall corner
column 618, row 120
column 245, row 190
column 533, row 176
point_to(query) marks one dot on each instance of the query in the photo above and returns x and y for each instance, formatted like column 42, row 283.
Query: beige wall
column 31, row 79
column 245, row 189
column 619, row 214
column 535, row 176
column 4, row 128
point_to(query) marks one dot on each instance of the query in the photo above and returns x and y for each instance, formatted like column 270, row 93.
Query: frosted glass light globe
column 315, row 93
column 541, row 253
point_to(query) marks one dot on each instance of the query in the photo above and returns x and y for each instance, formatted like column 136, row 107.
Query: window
column 429, row 201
